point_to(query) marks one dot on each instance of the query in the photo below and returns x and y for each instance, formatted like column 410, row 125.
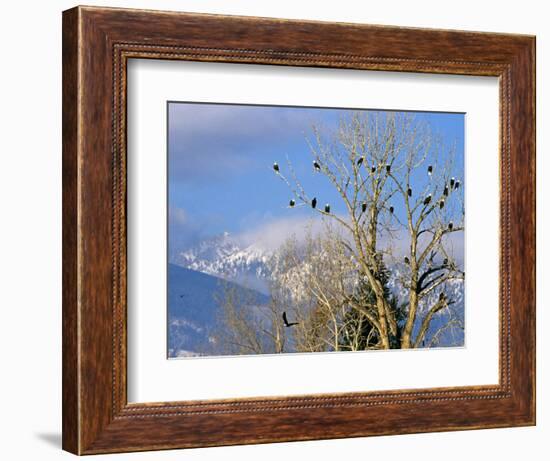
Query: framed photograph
column 282, row 230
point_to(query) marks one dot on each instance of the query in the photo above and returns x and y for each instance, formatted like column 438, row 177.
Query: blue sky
column 220, row 166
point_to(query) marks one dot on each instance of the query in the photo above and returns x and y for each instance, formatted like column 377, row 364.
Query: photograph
column 275, row 224
column 313, row 229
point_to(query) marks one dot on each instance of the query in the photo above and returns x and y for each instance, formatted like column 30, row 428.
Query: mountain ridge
column 223, row 257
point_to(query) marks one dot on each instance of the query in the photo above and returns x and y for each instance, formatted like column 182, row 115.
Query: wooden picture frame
column 97, row 43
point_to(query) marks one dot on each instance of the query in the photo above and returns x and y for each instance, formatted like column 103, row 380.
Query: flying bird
column 360, row 161
column 276, row 167
column 316, row 165
column 287, row 323
column 391, row 210
column 451, row 226
column 430, row 170
column 314, row 202
column 327, row 208
column 409, row 192
column 428, row 199
column 363, row 207
column 406, row 260
column 291, row 203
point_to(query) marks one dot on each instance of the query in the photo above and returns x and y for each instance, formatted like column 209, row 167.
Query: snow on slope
column 223, row 257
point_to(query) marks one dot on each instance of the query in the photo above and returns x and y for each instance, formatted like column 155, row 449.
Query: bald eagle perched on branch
column 276, row 167
column 314, row 202
column 316, row 165
column 428, row 199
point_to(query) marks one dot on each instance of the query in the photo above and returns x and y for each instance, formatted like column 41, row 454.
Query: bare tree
column 245, row 326
column 328, row 295
column 312, row 280
column 388, row 171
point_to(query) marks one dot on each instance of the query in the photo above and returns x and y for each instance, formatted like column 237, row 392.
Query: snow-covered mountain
column 222, row 256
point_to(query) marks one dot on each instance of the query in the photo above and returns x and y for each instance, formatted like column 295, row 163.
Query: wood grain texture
column 70, row 384
column 97, row 43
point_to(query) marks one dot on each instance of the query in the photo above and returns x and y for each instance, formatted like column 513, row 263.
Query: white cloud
column 217, row 140
column 269, row 233
column 182, row 231
column 177, row 216
column 272, row 233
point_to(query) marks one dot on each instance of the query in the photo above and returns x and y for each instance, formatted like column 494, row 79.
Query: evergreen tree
column 362, row 334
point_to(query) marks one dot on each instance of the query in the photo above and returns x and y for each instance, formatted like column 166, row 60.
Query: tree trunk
column 406, row 338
